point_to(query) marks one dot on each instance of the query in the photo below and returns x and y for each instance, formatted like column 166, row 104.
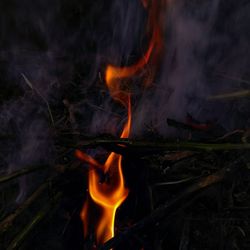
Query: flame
column 152, row 55
column 109, row 194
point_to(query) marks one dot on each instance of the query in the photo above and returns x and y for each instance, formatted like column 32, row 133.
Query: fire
column 150, row 58
column 109, row 194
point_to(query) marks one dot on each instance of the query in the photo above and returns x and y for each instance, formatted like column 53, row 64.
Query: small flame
column 151, row 57
column 107, row 195
column 110, row 194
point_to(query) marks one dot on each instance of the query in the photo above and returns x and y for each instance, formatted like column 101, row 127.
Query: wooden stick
column 28, row 170
column 158, row 146
column 232, row 95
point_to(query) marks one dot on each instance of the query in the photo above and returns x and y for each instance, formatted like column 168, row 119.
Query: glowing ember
column 109, row 194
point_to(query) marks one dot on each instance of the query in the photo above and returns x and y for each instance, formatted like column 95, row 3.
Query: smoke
column 30, row 48
column 203, row 40
column 63, row 47
column 30, row 144
column 118, row 37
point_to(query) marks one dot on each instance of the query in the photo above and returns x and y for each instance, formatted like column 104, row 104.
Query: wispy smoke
column 203, row 40
column 64, row 46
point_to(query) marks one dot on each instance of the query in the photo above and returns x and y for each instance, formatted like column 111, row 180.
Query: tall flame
column 109, row 195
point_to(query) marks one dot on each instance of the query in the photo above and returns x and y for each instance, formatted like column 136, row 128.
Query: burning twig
column 86, row 158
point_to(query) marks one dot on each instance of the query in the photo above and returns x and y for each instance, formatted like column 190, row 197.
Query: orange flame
column 152, row 55
column 109, row 195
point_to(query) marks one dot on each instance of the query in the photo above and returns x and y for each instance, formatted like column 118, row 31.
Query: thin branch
column 20, row 238
column 8, row 221
column 18, row 173
column 232, row 95
column 156, row 146
column 168, row 183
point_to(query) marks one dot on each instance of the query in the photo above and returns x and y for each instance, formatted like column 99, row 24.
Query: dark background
column 63, row 47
